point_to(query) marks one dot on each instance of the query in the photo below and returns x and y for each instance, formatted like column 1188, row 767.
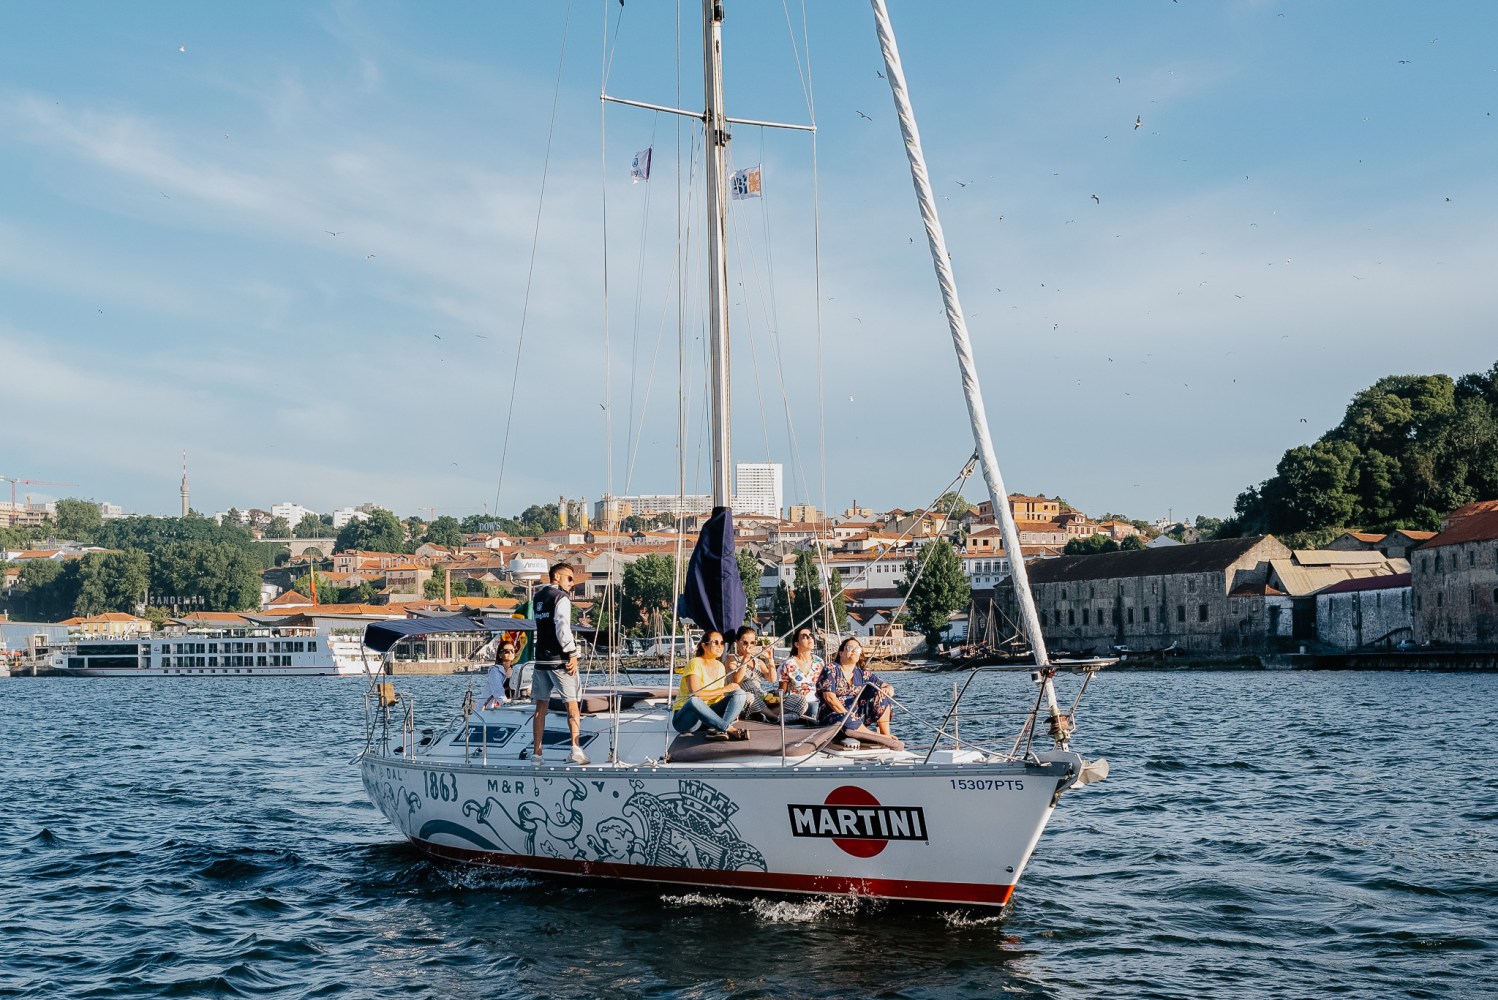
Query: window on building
column 1201, row 612
column 1091, row 591
column 1471, row 557
column 1071, row 617
column 1129, row 615
column 1146, row 614
column 1180, row 612
column 1495, row 595
column 1440, row 599
column 1058, row 617
column 1438, row 564
column 1085, row 614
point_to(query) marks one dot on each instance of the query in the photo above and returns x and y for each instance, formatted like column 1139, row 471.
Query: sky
column 391, row 252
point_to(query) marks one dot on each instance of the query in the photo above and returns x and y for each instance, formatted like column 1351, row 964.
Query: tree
column 1408, row 448
column 839, row 601
column 951, row 503
column 111, row 581
column 78, row 520
column 780, row 609
column 223, row 576
column 381, row 533
column 649, row 586
column 278, row 527
column 934, row 587
column 749, row 576
column 1091, row 545
column 310, row 526
column 1132, row 543
column 47, row 589
column 445, row 531
column 807, row 599
column 538, row 519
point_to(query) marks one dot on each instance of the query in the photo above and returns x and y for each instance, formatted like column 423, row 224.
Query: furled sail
column 712, row 592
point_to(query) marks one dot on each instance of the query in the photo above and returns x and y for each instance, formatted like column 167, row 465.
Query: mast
column 977, row 415
column 715, row 132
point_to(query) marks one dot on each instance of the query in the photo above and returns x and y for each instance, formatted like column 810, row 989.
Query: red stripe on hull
column 822, row 885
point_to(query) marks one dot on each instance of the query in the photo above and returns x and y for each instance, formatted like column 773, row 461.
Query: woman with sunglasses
column 854, row 695
column 497, row 688
column 798, row 677
column 752, row 667
column 706, row 698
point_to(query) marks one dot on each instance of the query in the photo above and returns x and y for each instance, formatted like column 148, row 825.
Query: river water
column 1261, row 834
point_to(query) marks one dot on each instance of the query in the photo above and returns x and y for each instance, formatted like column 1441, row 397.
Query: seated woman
column 752, row 667
column 798, row 678
column 853, row 695
column 497, row 688
column 706, row 698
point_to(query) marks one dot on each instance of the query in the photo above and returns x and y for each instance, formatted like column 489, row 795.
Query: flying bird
column 879, row 74
column 331, row 233
column 1097, row 199
column 1138, row 121
column 863, row 116
column 182, row 48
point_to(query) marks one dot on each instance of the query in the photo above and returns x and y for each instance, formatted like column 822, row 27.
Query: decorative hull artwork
column 954, row 835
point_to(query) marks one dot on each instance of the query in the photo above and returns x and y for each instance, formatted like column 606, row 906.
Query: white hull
column 880, row 824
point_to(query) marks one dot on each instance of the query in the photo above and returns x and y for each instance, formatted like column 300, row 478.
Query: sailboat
column 789, row 810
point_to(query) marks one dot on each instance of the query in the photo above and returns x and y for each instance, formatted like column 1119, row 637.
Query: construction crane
column 28, row 482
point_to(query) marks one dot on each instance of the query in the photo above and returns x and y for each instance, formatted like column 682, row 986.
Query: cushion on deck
column 596, row 700
column 764, row 741
column 873, row 740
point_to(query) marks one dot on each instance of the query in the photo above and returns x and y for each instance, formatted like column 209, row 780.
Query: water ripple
column 1261, row 833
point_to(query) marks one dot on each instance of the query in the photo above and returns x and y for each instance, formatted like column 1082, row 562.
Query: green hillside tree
column 939, row 590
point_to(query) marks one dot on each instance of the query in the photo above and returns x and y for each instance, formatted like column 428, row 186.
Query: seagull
column 1097, row 199
column 331, row 233
column 962, row 184
column 437, row 335
column 1404, row 62
column 1138, row 120
column 863, row 116
column 182, row 48
column 879, row 74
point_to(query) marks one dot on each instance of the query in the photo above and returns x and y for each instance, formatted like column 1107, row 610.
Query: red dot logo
column 853, row 796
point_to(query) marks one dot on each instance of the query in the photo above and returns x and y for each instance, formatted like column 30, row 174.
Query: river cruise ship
column 263, row 651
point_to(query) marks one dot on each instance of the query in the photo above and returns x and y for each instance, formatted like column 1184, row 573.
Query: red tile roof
column 1476, row 522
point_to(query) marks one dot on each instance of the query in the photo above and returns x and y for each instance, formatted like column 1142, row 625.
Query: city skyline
column 1185, row 236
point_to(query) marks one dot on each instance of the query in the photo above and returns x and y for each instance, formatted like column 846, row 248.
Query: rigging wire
column 530, row 271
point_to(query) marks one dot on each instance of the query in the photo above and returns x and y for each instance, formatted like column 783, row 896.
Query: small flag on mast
column 639, row 170
column 745, row 183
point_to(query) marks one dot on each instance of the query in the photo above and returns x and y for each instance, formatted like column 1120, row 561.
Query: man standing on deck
column 556, row 659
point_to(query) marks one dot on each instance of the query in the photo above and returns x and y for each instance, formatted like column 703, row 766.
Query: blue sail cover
column 381, row 636
column 713, row 593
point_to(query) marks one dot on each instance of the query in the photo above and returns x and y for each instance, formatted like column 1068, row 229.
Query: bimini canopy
column 382, row 636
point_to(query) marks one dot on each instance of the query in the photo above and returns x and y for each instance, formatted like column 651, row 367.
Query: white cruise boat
column 258, row 651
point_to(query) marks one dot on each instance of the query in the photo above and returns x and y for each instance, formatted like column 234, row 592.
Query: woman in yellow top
column 706, row 699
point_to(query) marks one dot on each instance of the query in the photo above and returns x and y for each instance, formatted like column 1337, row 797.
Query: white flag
column 639, row 170
column 745, row 183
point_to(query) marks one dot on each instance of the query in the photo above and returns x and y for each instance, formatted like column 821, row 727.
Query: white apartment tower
column 758, row 488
